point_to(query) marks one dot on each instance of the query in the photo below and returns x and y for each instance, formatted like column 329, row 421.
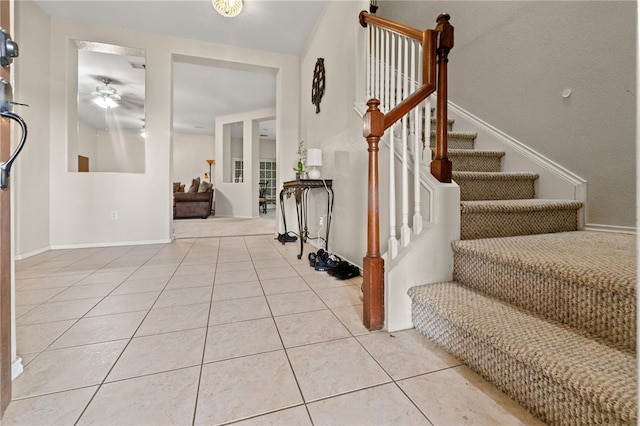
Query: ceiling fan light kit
column 227, row 8
column 106, row 96
column 105, row 102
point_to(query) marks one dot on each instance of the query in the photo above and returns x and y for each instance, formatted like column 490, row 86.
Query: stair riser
column 510, row 224
column 475, row 164
column 455, row 142
column 449, row 124
column 541, row 395
column 487, row 189
column 591, row 311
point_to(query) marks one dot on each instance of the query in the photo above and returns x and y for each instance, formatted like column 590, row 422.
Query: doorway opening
column 224, row 133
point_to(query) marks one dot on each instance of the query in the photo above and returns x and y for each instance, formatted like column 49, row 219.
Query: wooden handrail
column 401, row 29
column 436, row 45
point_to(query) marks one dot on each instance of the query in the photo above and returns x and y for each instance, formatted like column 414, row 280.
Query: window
column 268, row 179
column 238, row 171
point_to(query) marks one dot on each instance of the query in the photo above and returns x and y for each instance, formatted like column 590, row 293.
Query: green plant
column 302, row 158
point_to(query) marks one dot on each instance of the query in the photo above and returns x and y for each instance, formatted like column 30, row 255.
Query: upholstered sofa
column 197, row 202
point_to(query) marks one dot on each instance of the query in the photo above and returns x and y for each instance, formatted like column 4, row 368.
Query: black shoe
column 347, row 272
column 286, row 238
column 327, row 263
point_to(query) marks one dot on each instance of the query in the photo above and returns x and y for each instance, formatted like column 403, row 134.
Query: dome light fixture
column 227, row 8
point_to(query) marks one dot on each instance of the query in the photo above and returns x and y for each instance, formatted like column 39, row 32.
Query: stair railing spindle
column 368, row 62
column 417, row 123
column 405, row 232
column 393, row 238
column 379, row 81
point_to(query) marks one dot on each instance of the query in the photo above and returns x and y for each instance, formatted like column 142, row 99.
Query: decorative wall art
column 317, row 89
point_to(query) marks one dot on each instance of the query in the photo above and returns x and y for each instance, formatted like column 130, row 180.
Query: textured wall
column 510, row 64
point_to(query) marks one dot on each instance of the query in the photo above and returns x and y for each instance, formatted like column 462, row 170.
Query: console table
column 300, row 188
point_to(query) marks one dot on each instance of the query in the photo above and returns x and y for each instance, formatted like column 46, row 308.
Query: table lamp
column 314, row 160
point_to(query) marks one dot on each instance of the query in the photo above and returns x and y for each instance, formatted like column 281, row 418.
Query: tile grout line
column 206, row 335
column 128, row 342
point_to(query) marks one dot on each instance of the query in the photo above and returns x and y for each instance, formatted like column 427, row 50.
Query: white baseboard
column 610, row 228
column 109, row 244
column 23, row 256
column 518, row 146
column 16, row 368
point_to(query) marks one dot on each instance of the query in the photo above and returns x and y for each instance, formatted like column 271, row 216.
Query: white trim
column 360, row 108
column 32, row 253
column 610, row 228
column 520, row 147
column 109, row 244
column 16, row 368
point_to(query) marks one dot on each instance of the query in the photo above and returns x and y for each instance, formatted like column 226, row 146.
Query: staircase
column 542, row 310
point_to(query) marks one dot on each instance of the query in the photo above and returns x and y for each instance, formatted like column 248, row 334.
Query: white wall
column 120, row 152
column 512, row 60
column 337, row 129
column 31, row 172
column 190, row 153
column 239, row 199
column 267, row 149
column 81, row 203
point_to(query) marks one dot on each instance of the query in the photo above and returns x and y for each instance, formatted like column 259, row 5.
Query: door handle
column 5, row 168
column 6, row 103
column 8, row 49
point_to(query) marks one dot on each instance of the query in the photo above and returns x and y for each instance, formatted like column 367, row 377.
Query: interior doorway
column 243, row 168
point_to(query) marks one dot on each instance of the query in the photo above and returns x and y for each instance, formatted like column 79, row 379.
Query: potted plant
column 302, row 159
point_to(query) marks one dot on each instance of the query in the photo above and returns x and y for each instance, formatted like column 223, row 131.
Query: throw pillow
column 177, row 186
column 195, row 184
column 204, row 186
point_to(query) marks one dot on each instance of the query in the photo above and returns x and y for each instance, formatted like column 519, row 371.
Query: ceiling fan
column 106, row 96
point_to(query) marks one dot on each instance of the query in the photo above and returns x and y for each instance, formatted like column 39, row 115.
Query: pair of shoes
column 313, row 256
column 326, row 262
column 286, row 238
column 344, row 271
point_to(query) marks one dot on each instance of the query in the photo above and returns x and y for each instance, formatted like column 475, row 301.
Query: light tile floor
column 222, row 330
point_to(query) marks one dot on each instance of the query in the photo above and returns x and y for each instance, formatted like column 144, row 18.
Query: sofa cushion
column 195, row 184
column 204, row 186
column 178, row 187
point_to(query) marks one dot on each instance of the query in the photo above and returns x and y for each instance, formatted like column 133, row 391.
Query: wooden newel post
column 373, row 264
column 441, row 166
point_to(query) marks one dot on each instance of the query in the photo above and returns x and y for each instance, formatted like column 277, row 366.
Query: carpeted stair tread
column 509, row 218
column 510, row 206
column 494, row 176
column 456, row 140
column 604, row 260
column 583, row 279
column 495, row 185
column 450, row 122
column 475, row 160
column 570, row 379
column 474, row 153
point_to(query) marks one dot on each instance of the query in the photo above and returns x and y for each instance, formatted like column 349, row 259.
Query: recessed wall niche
column 111, row 129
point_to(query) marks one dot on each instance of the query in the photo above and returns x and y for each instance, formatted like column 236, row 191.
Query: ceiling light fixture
column 227, row 8
column 105, row 96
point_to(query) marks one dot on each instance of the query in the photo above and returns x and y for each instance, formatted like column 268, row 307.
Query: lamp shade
column 314, row 157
